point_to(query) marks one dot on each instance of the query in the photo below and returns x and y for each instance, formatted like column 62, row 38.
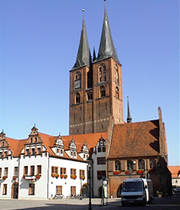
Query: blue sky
column 38, row 46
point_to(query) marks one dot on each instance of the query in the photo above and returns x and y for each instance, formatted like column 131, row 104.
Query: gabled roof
column 106, row 48
column 135, row 139
column 16, row 146
column 91, row 139
column 175, row 171
column 49, row 141
column 83, row 56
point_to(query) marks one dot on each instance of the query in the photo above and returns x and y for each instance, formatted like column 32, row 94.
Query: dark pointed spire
column 83, row 56
column 129, row 119
column 94, row 54
column 106, row 48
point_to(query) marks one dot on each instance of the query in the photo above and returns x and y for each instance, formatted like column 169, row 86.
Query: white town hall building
column 43, row 166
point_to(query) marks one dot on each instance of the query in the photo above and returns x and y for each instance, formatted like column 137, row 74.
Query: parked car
column 136, row 190
column 176, row 190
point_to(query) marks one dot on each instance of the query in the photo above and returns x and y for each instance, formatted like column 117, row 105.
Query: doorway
column 15, row 190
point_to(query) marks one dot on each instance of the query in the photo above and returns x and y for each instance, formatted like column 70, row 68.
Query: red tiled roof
column 90, row 139
column 175, row 171
column 15, row 146
column 48, row 141
column 135, row 139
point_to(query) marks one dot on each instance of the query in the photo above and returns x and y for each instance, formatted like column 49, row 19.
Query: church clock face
column 77, row 84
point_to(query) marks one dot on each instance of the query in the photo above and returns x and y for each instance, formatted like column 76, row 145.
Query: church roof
column 83, row 56
column 135, row 139
column 106, row 48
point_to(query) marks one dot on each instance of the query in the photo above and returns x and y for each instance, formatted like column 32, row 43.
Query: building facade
column 175, row 171
column 43, row 166
column 95, row 85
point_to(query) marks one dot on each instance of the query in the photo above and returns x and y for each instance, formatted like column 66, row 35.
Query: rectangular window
column 0, row 154
column 31, row 189
column 4, row 189
column 82, row 174
column 54, row 170
column 32, row 172
column 73, row 190
column 63, row 171
column 39, row 169
column 101, row 160
column 6, row 172
column 0, row 172
column 25, row 170
column 16, row 171
column 73, row 171
column 101, row 174
column 33, row 151
column 58, row 190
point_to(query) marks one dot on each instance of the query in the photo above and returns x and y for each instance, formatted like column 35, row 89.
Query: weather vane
column 83, row 11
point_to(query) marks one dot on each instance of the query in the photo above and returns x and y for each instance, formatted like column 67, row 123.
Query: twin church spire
column 84, row 55
column 106, row 48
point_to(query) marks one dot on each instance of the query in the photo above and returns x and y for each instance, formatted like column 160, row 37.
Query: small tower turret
column 129, row 119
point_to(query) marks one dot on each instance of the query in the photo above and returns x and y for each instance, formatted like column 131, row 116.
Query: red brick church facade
column 133, row 149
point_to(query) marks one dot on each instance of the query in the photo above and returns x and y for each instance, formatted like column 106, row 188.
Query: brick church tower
column 95, row 86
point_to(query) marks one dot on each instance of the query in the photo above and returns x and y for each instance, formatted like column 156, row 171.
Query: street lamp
column 89, row 181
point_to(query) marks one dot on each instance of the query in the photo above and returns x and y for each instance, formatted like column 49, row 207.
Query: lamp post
column 89, row 179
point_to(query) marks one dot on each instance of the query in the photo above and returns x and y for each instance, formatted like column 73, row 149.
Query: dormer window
column 33, row 151
column 59, row 146
column 101, row 145
column 39, row 151
column 72, row 148
column 27, row 151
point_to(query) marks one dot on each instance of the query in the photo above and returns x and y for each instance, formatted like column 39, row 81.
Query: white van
column 136, row 190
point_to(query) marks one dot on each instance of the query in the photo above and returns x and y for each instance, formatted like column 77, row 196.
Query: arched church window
column 117, row 92
column 78, row 76
column 130, row 165
column 116, row 75
column 117, row 165
column 102, row 91
column 77, row 80
column 90, row 95
column 102, row 73
column 141, row 164
column 152, row 163
column 77, row 98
